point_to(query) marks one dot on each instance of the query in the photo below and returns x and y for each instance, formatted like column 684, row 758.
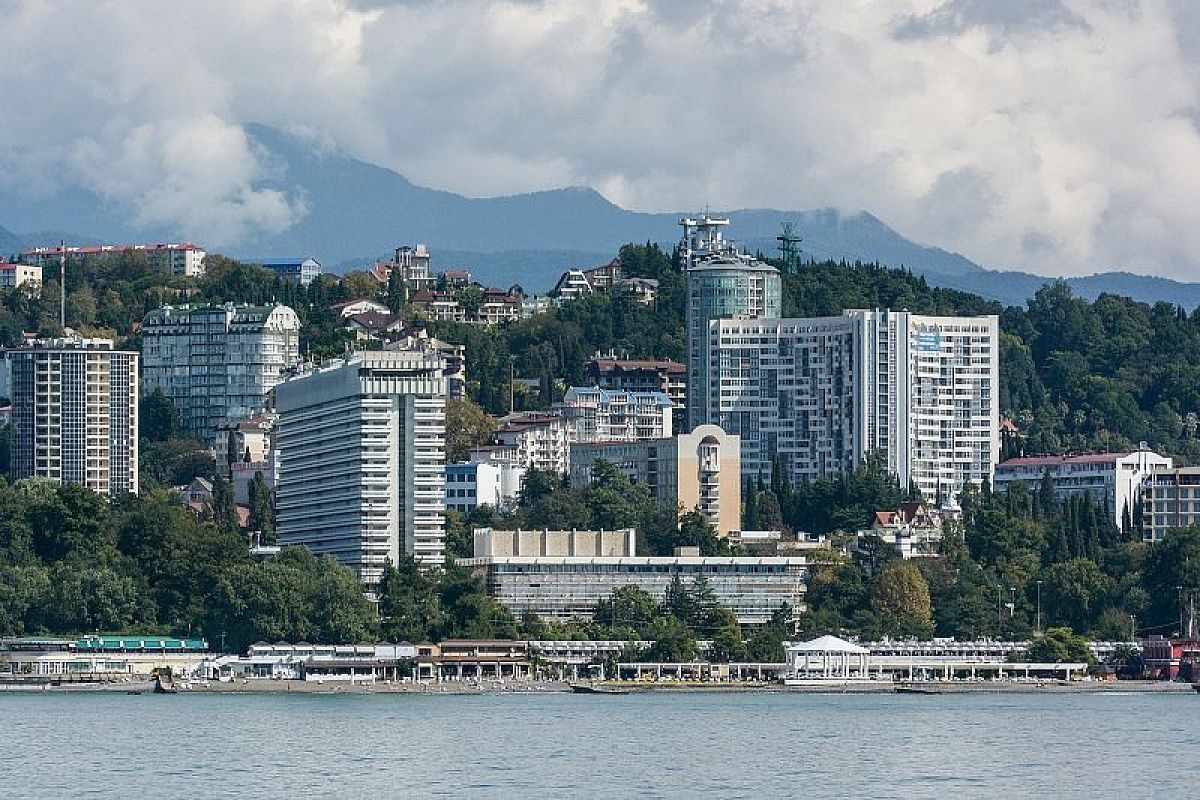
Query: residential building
column 537, row 304
column 353, row 307
column 457, row 278
column 536, row 441
column 1170, row 499
column 820, row 394
column 1113, row 480
column 438, row 305
column 644, row 290
column 640, row 375
column 498, row 306
column 562, row 575
column 305, row 270
column 218, row 364
column 483, row 483
column 75, row 414
column 362, row 453
column 15, row 275
column 253, row 442
column 604, row 415
column 571, row 284
column 454, row 354
column 721, row 284
column 698, row 470
column 913, row 529
column 183, row 258
column 416, row 266
column 373, row 325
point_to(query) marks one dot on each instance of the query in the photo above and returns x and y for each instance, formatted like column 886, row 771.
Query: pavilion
column 828, row 658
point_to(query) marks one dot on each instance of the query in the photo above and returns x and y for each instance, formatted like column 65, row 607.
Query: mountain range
column 358, row 212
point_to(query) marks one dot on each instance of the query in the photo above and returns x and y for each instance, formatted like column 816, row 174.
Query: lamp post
column 1039, row 608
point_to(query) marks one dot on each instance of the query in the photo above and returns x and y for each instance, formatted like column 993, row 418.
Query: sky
column 1055, row 136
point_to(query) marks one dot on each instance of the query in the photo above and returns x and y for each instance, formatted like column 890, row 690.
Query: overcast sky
column 1058, row 136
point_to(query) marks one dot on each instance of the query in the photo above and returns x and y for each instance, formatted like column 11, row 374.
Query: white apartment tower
column 821, row 393
column 722, row 284
column 362, row 452
column 615, row 415
column 217, row 364
column 75, row 414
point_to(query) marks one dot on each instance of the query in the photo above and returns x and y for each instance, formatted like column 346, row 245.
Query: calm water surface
column 561, row 745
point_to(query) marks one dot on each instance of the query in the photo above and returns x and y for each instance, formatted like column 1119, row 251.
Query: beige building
column 616, row 543
column 701, row 469
column 14, row 275
column 75, row 414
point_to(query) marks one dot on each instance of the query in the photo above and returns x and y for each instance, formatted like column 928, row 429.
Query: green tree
column 409, row 605
column 159, row 418
column 727, row 642
column 262, row 509
column 397, row 291
column 902, row 599
column 467, row 426
column 673, row 640
column 224, row 509
column 1059, row 645
column 629, row 607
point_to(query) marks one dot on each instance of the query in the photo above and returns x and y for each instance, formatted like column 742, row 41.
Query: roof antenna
column 62, row 279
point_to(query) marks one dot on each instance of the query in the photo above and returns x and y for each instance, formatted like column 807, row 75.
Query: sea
column 652, row 745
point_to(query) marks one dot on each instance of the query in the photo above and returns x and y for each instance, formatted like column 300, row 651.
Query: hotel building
column 217, row 364
column 75, row 414
column 362, row 452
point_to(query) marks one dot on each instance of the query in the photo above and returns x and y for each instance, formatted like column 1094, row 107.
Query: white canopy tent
column 827, row 657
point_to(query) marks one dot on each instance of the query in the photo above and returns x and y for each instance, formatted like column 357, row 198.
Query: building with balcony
column 535, row 441
column 75, row 414
column 1170, row 499
column 1113, row 480
column 562, row 575
column 185, row 258
column 362, row 454
column 218, row 364
column 483, row 483
column 615, row 415
column 15, row 275
column 698, row 470
column 640, row 375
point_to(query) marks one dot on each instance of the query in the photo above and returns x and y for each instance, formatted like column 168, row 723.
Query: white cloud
column 1053, row 135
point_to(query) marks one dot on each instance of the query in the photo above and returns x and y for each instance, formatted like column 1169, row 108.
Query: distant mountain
column 359, row 211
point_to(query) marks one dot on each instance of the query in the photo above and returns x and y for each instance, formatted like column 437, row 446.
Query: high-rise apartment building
column 362, row 453
column 75, row 414
column 721, row 284
column 820, row 394
column 217, row 364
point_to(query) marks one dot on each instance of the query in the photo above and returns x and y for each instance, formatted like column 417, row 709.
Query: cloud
column 1053, row 135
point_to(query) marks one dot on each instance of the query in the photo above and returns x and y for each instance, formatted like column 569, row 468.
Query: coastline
column 266, row 686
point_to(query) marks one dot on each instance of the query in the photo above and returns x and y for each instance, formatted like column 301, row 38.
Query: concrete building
column 253, row 442
column 97, row 658
column 416, row 265
column 562, row 575
column 640, row 375
column 536, row 441
column 721, row 284
column 362, row 454
column 454, row 354
column 912, row 529
column 183, row 258
column 218, row 364
column 352, row 308
column 1111, row 479
column 75, row 414
column 698, row 470
column 15, row 275
column 820, row 394
column 483, row 483
column 301, row 269
column 615, row 415
column 1170, row 499
column 571, row 284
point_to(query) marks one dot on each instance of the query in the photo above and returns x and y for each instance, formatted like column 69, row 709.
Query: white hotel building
column 362, row 451
column 821, row 393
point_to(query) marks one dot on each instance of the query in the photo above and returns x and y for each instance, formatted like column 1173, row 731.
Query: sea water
column 725, row 745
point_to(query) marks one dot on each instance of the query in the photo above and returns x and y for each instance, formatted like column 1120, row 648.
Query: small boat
column 1196, row 686
column 133, row 691
column 916, row 690
column 591, row 688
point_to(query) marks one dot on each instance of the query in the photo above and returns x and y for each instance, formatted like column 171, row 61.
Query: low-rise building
column 183, row 258
column 616, row 415
column 301, row 269
column 1111, row 479
column 373, row 325
column 352, row 307
column 562, row 575
column 477, row 659
column 14, row 275
column 536, row 441
column 571, row 284
column 88, row 658
column 913, row 529
column 640, row 375
column 697, row 470
column 438, row 305
column 491, row 483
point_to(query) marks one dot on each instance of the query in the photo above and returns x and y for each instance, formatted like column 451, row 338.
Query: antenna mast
column 789, row 247
column 62, row 279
